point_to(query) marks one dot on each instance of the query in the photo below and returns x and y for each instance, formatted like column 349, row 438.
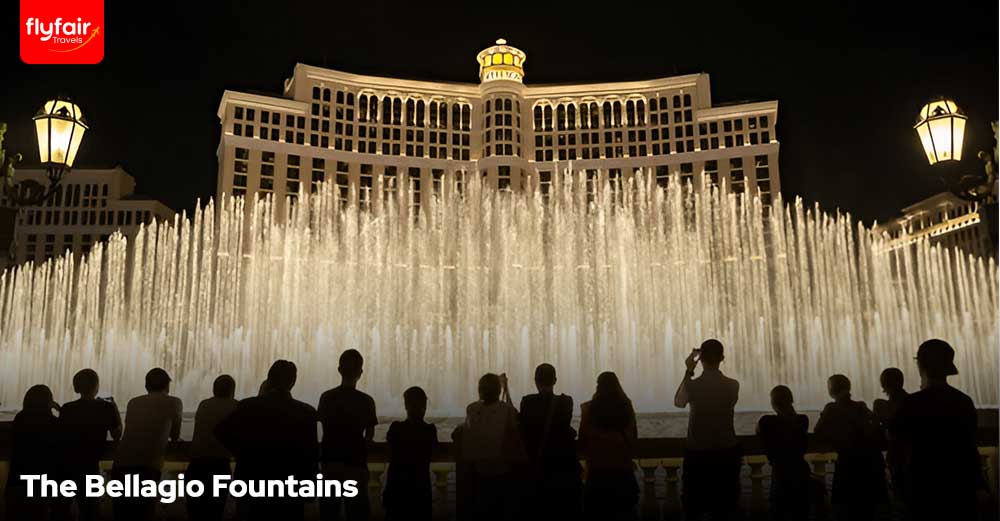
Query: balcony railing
column 658, row 462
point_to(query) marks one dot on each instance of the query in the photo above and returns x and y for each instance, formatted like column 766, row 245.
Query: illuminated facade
column 351, row 129
column 88, row 206
column 943, row 219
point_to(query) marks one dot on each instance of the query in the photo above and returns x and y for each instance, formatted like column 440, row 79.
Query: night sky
column 849, row 79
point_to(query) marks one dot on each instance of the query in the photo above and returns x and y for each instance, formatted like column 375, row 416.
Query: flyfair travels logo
column 62, row 31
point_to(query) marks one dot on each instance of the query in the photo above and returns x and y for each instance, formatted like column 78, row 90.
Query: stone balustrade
column 658, row 463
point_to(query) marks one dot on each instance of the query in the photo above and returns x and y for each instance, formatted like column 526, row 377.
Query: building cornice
column 612, row 88
column 737, row 110
column 260, row 101
column 380, row 83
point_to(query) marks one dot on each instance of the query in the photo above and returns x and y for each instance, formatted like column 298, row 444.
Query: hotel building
column 87, row 206
column 351, row 129
column 943, row 219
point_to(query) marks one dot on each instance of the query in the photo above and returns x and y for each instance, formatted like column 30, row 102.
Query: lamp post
column 59, row 127
column 941, row 128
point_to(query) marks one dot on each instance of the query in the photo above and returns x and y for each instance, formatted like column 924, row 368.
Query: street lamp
column 941, row 128
column 59, row 127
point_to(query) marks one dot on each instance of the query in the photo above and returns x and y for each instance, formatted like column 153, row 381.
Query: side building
column 943, row 219
column 351, row 129
column 88, row 206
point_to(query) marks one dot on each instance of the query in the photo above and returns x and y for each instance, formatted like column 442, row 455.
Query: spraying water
column 628, row 279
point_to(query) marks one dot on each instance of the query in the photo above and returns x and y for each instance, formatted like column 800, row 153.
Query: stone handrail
column 658, row 462
column 378, row 452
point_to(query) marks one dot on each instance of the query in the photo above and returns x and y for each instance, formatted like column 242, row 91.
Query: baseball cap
column 937, row 356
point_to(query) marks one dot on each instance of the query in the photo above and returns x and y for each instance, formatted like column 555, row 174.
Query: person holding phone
column 85, row 425
column 713, row 456
column 491, row 443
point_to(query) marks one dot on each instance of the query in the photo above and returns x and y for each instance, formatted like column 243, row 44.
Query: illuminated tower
column 501, row 73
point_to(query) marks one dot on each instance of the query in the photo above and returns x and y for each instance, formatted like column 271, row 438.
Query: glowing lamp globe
column 60, row 127
column 941, row 127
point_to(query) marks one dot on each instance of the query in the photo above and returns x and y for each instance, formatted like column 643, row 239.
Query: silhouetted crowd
column 514, row 462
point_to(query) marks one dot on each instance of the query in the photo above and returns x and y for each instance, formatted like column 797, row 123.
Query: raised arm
column 505, row 391
column 681, row 396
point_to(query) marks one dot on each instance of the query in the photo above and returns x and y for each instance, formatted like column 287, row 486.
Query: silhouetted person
column 348, row 417
column 86, row 424
column 407, row 492
column 785, row 436
column 608, row 437
column 34, row 450
column 491, row 443
column 272, row 437
column 938, row 425
column 885, row 412
column 859, row 475
column 208, row 456
column 549, row 442
column 151, row 420
column 710, row 483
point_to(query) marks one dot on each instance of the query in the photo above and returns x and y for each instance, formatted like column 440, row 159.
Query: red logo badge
column 62, row 31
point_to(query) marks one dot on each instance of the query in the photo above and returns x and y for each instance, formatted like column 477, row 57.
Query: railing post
column 672, row 497
column 819, row 461
column 649, row 509
column 757, row 475
column 376, row 473
column 441, row 472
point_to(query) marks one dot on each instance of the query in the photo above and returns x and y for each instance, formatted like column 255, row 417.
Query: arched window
column 630, row 112
column 363, row 107
column 443, row 115
column 548, row 117
column 618, row 113
column 584, row 116
column 386, row 110
column 433, row 113
column 571, row 117
column 640, row 109
column 687, row 100
column 677, row 102
column 561, row 117
column 466, row 117
column 538, row 118
column 315, row 92
column 456, row 116
column 409, row 112
column 373, row 107
column 507, row 104
column 350, row 98
column 420, row 113
column 497, row 103
column 397, row 111
column 652, row 104
column 340, row 96
column 595, row 116
column 326, row 94
column 606, row 109
column 663, row 103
